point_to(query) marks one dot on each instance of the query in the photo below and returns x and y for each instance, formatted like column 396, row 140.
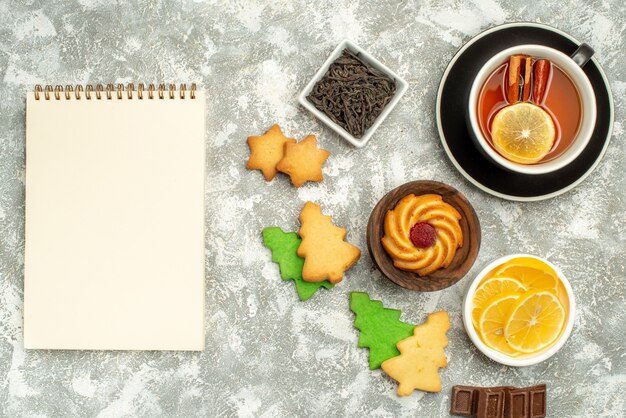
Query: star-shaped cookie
column 303, row 161
column 267, row 150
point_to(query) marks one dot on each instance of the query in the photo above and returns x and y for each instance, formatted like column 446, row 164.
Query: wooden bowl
column 464, row 257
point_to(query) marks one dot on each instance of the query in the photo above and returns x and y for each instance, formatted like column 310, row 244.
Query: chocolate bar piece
column 463, row 400
column 517, row 401
column 490, row 403
column 537, row 406
column 499, row 402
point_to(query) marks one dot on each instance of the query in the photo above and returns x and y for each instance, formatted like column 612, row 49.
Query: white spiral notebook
column 114, row 256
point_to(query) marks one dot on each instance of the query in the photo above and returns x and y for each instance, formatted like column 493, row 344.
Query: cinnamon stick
column 520, row 66
column 527, row 75
column 515, row 68
column 542, row 71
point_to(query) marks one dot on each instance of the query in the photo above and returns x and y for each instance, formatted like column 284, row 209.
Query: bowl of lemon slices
column 519, row 310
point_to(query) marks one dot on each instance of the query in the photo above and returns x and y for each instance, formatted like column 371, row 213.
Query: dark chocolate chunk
column 463, row 400
column 516, row 403
column 538, row 402
column 490, row 403
column 352, row 93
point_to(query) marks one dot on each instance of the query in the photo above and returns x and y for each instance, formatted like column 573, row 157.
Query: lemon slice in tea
column 523, row 133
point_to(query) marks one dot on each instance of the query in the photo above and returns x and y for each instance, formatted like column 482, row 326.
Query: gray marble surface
column 268, row 354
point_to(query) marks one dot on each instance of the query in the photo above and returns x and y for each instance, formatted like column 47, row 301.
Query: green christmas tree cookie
column 380, row 328
column 284, row 247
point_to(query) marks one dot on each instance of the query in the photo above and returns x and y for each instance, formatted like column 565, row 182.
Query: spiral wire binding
column 99, row 91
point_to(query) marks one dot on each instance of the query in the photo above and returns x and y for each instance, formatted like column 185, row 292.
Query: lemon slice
column 493, row 320
column 535, row 322
column 490, row 288
column 523, row 133
column 530, row 277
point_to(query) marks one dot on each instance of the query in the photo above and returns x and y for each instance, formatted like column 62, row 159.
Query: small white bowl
column 527, row 360
column 401, row 88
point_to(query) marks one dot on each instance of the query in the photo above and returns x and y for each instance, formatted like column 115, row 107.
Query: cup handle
column 582, row 55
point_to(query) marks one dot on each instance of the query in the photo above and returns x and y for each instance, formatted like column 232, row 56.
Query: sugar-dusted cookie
column 421, row 356
column 303, row 161
column 267, row 150
column 380, row 328
column 326, row 254
column 284, row 247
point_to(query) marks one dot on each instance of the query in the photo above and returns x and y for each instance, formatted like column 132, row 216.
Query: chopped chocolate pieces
column 352, row 93
column 499, row 402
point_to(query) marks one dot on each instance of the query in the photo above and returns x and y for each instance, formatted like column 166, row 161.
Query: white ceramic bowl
column 527, row 360
column 585, row 91
column 401, row 88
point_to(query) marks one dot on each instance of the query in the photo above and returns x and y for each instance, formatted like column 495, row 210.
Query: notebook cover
column 114, row 256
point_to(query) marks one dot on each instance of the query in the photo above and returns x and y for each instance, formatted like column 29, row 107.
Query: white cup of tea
column 571, row 67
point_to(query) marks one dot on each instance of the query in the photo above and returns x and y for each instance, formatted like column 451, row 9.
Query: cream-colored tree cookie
column 326, row 254
column 421, row 356
column 267, row 150
column 303, row 161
